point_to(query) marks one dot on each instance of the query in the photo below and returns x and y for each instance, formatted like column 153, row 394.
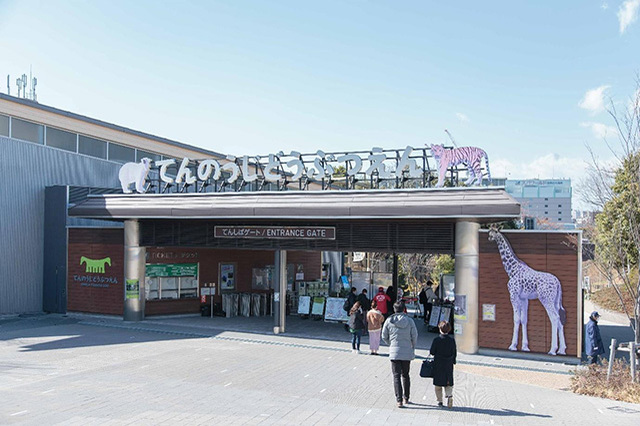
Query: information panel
column 304, row 305
column 335, row 311
column 435, row 316
column 318, row 306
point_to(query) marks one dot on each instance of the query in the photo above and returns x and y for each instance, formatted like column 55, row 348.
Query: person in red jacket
column 382, row 299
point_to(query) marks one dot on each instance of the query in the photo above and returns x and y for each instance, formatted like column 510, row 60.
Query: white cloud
column 593, row 99
column 462, row 117
column 548, row 166
column 600, row 130
column 628, row 13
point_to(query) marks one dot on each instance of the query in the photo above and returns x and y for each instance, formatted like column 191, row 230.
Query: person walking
column 351, row 300
column 375, row 319
column 382, row 301
column 444, row 353
column 393, row 297
column 400, row 333
column 348, row 304
column 427, row 300
column 356, row 325
column 365, row 304
column 593, row 341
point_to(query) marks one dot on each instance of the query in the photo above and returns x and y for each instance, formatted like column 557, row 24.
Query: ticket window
column 167, row 288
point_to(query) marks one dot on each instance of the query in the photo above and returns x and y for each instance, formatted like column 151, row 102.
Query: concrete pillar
column 280, row 293
column 134, row 272
column 466, row 273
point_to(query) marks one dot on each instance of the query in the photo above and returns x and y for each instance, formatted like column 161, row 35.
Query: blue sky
column 526, row 81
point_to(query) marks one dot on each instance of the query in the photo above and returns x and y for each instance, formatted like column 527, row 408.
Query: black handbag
column 426, row 370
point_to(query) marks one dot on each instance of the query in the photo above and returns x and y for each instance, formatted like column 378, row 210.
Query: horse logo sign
column 95, row 265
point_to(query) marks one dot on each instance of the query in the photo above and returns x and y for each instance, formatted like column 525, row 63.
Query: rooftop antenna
column 19, row 84
column 8, row 84
column 451, row 137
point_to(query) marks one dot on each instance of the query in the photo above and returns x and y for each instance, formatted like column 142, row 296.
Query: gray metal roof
column 111, row 126
column 483, row 204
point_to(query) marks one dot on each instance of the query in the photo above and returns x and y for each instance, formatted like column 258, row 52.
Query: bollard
column 612, row 356
column 634, row 358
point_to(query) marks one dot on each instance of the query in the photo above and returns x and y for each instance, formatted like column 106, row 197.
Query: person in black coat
column 444, row 353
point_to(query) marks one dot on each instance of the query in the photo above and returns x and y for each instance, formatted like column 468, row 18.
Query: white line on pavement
column 144, row 366
column 355, row 368
column 48, row 391
column 224, row 371
column 531, row 405
column 368, row 412
column 306, row 375
column 322, row 390
column 227, row 384
column 18, row 413
column 424, row 397
column 601, row 412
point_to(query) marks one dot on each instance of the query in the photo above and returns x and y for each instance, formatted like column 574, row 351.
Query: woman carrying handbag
column 443, row 350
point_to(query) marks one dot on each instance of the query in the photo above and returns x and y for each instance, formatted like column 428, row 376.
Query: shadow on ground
column 475, row 410
column 66, row 332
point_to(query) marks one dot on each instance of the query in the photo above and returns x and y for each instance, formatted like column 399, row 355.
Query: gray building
column 41, row 147
column 546, row 203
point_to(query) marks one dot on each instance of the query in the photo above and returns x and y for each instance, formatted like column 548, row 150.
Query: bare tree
column 615, row 192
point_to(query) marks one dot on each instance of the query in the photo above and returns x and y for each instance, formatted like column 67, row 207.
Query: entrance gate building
column 395, row 221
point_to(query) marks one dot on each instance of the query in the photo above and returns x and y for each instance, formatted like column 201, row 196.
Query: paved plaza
column 88, row 370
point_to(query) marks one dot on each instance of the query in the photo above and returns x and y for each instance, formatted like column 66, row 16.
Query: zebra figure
column 525, row 283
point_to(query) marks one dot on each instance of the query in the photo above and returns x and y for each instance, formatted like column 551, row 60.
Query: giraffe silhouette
column 525, row 283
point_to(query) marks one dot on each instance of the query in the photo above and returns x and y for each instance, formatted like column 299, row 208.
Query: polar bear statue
column 134, row 173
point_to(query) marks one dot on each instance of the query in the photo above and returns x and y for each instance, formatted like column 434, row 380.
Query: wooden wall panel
column 549, row 252
column 108, row 298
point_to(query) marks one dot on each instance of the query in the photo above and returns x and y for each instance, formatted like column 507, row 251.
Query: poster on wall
column 457, row 328
column 488, row 312
column 334, row 310
column 304, row 305
column 318, row 306
column 460, row 307
column 132, row 289
column 227, row 276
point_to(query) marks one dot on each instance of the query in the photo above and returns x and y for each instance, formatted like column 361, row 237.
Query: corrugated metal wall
column 25, row 170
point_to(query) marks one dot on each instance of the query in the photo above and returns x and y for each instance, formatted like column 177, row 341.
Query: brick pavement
column 63, row 371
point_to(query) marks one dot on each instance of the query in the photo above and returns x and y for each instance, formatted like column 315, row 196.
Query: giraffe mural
column 525, row 283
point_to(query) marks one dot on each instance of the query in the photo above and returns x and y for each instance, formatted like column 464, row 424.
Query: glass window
column 4, row 125
column 546, row 191
column 145, row 154
column 27, row 131
column 122, row 154
column 530, row 192
column 92, row 147
column 61, row 139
